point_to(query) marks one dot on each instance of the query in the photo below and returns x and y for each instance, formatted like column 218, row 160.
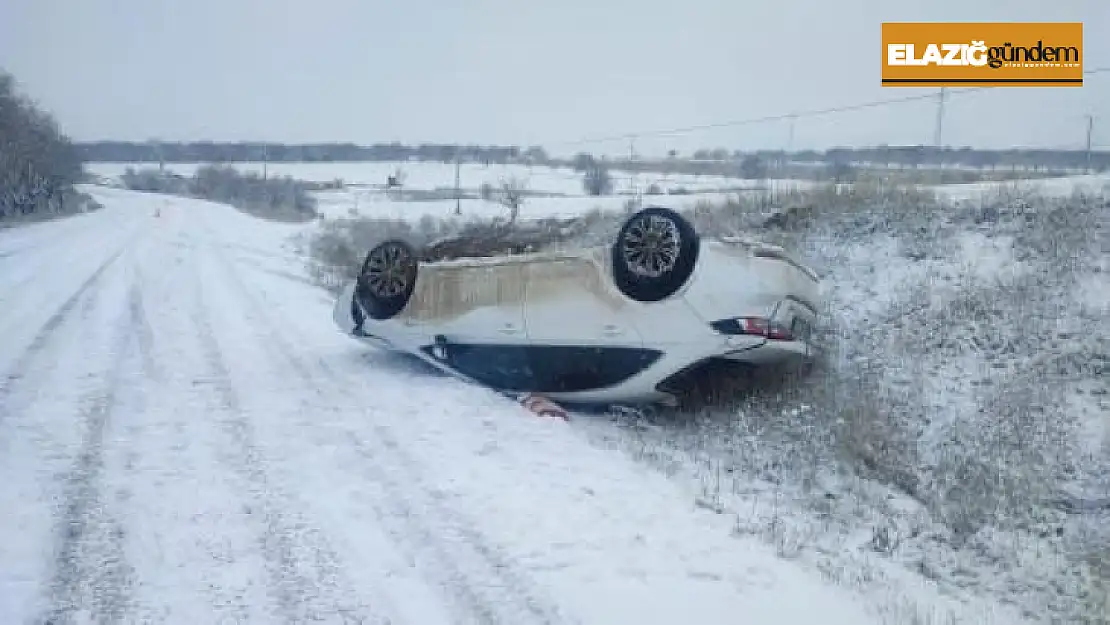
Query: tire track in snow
column 482, row 583
column 92, row 578
column 39, row 242
column 32, row 270
column 194, row 542
column 15, row 251
column 64, row 247
column 254, row 264
column 143, row 330
column 26, row 358
column 228, row 245
column 306, row 575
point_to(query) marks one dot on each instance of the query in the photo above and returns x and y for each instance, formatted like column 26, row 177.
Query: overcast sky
column 519, row 71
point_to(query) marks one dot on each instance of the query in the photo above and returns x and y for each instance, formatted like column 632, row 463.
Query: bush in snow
column 280, row 198
column 338, row 248
column 596, row 179
column 153, row 180
column 753, row 167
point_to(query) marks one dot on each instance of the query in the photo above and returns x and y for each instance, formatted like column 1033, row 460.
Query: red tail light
column 779, row 332
column 753, row 326
column 763, row 327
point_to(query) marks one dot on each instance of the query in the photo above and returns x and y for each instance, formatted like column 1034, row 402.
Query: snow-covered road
column 186, row 438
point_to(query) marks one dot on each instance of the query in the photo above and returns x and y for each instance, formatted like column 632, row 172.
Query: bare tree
column 395, row 180
column 512, row 194
column 597, row 180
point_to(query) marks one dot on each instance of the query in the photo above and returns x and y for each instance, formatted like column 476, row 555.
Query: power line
column 747, row 122
column 785, row 116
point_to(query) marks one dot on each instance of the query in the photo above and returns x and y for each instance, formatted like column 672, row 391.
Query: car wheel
column 387, row 279
column 654, row 254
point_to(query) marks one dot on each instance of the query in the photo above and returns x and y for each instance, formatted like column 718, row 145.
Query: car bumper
column 772, row 351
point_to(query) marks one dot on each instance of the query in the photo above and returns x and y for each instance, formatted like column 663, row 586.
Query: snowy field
column 1054, row 187
column 373, row 203
column 379, row 205
column 434, row 175
column 360, row 198
column 563, row 187
column 186, row 438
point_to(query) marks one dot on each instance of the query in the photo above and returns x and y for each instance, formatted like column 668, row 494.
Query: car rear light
column 779, row 332
column 753, row 326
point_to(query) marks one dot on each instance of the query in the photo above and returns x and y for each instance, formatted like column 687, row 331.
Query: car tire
column 387, row 279
column 654, row 269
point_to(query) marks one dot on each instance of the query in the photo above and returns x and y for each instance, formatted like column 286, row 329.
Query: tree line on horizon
column 910, row 156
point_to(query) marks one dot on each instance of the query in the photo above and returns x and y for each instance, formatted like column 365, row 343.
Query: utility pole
column 458, row 185
column 938, row 133
column 784, row 166
column 793, row 118
column 265, row 160
column 156, row 144
column 634, row 179
column 1090, row 132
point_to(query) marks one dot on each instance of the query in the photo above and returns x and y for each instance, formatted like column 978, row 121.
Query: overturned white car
column 609, row 324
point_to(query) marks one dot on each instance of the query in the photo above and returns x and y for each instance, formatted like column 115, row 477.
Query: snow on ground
column 1061, row 186
column 376, row 204
column 838, row 537
column 563, row 181
column 185, row 438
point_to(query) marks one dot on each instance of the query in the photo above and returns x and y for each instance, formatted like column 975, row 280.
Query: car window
column 547, row 369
